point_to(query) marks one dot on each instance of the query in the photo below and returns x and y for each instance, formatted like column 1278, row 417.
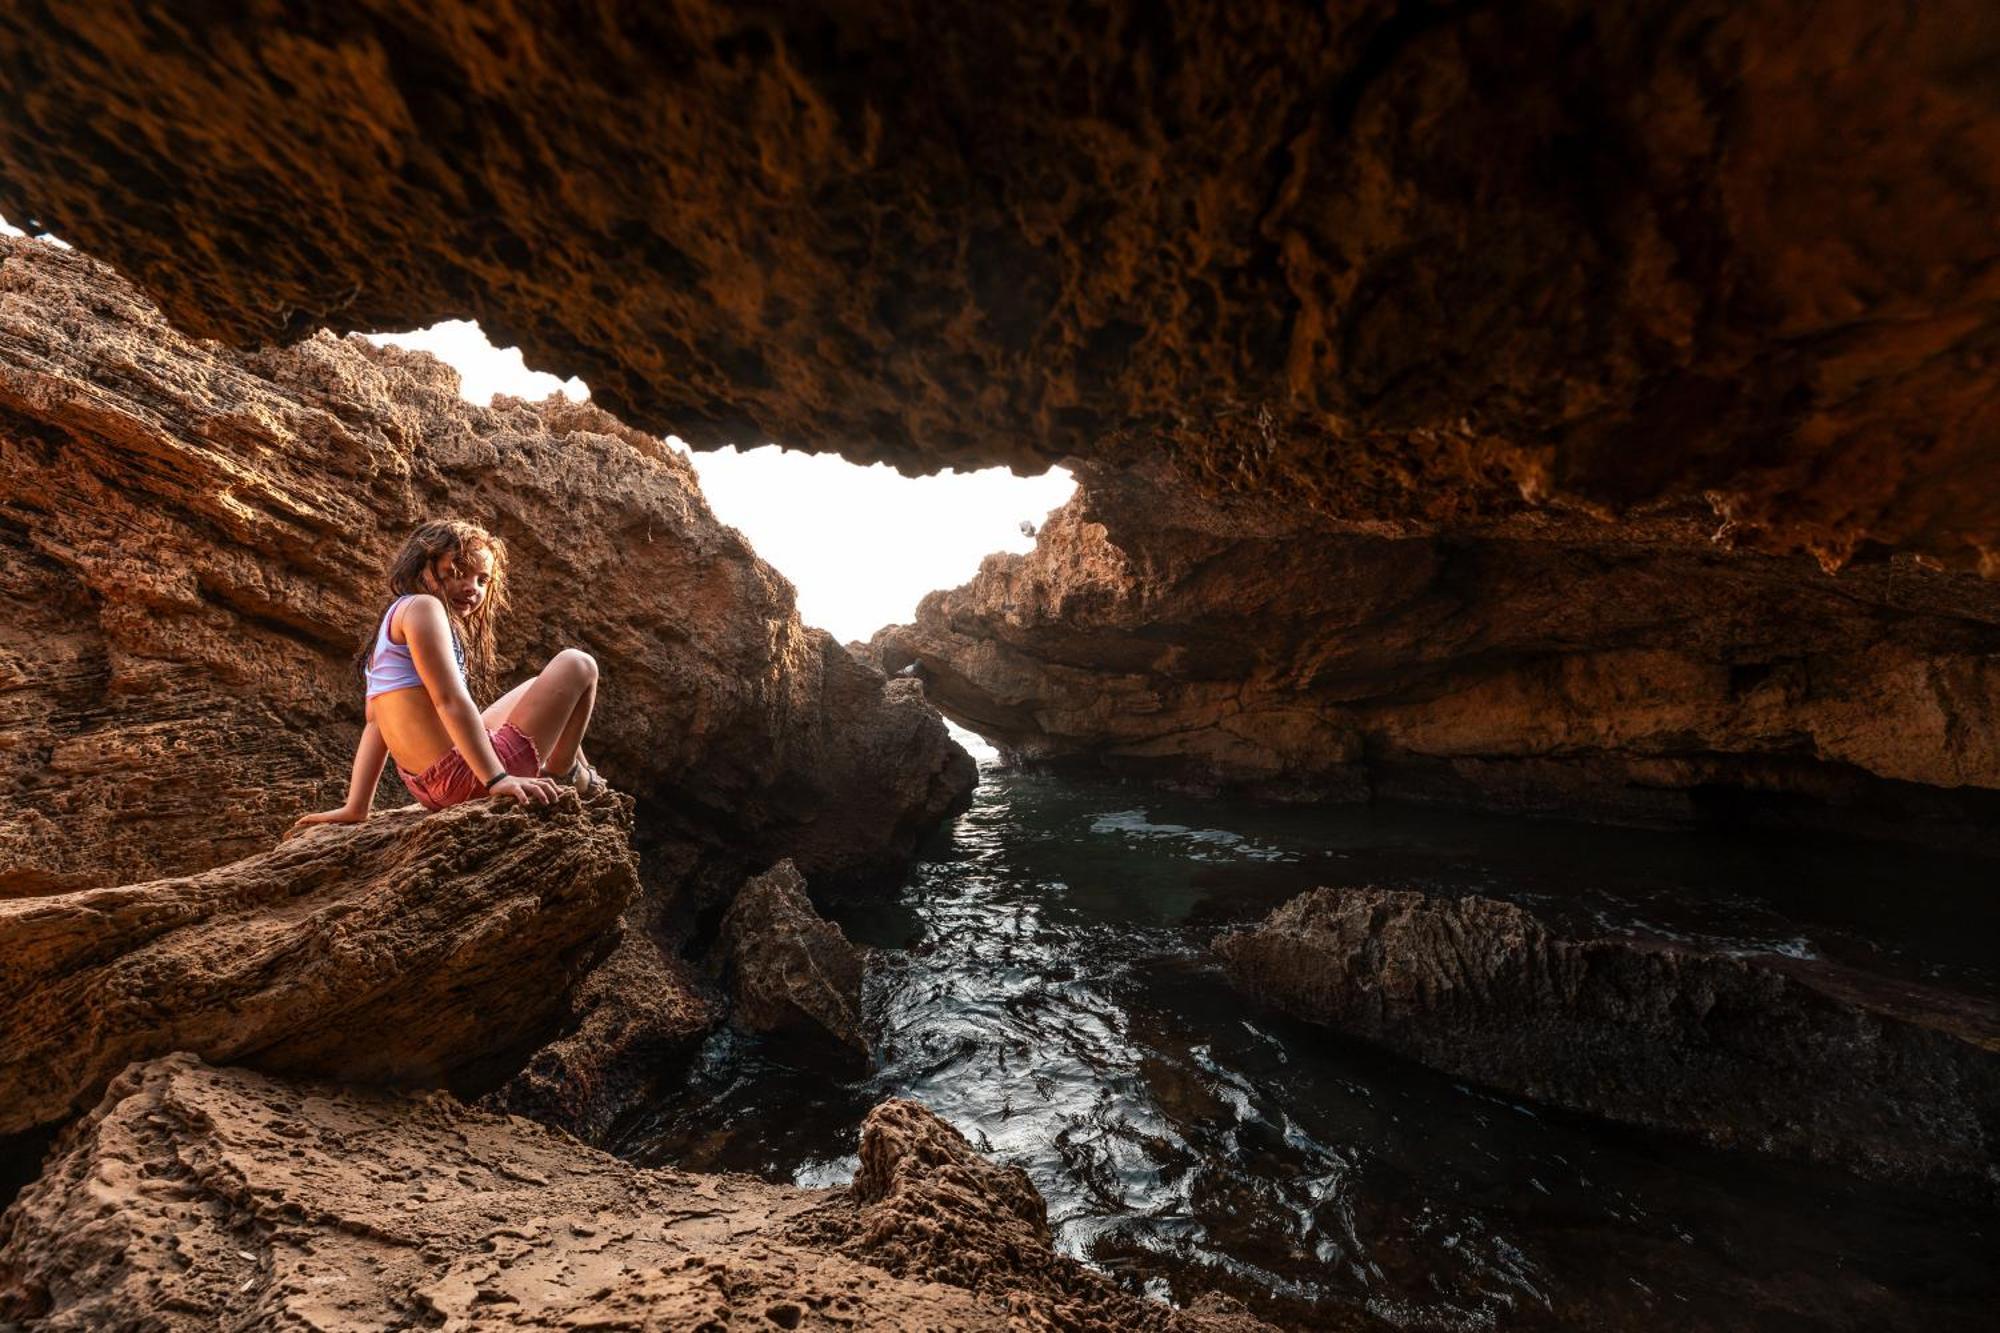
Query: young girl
column 450, row 581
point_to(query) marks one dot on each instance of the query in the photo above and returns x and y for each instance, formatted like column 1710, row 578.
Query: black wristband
column 495, row 778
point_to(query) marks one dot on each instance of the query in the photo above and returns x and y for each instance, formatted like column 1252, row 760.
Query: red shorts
column 451, row 780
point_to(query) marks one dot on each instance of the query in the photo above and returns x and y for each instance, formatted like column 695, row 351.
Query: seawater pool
column 1043, row 982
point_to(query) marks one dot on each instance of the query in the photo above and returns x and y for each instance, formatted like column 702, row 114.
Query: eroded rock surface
column 788, row 968
column 413, row 948
column 630, row 1023
column 1765, row 1053
column 1378, row 259
column 193, row 1197
column 1560, row 663
column 193, row 543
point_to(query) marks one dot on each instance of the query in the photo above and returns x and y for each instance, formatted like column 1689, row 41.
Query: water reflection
column 1043, row 984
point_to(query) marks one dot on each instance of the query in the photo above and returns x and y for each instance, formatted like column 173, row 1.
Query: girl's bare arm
column 429, row 635
column 369, row 756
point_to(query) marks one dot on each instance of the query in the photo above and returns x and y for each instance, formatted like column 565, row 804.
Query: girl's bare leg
column 553, row 709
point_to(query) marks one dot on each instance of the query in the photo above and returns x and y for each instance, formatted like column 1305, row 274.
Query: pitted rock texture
column 193, row 541
column 1383, row 260
column 788, row 968
column 195, row 1198
column 630, row 1024
column 1765, row 1053
column 1625, row 670
column 413, row 948
column 924, row 1203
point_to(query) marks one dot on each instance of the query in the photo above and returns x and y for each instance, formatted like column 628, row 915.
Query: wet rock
column 631, row 1022
column 925, row 1203
column 1372, row 259
column 193, row 543
column 192, row 1198
column 1764, row 1053
column 788, row 968
column 410, row 949
column 1565, row 664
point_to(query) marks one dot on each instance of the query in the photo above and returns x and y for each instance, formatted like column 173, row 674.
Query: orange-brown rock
column 629, row 1024
column 1380, row 259
column 1630, row 670
column 411, row 949
column 193, row 1198
column 193, row 541
column 1766, row 1053
column 789, row 969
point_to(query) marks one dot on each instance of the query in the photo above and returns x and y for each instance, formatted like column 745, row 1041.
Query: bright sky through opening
column 861, row 544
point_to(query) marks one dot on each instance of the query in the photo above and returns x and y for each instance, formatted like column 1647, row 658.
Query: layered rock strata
column 1765, row 1053
column 788, row 969
column 1379, row 260
column 1554, row 662
column 193, row 1197
column 193, row 543
column 412, row 949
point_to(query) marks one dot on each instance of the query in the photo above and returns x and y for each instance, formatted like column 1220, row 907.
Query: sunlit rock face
column 410, row 949
column 1389, row 262
column 194, row 541
column 194, row 1198
column 1629, row 670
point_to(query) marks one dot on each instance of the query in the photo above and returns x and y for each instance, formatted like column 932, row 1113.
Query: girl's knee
column 578, row 662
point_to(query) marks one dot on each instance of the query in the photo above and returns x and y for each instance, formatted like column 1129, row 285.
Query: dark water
column 1043, row 984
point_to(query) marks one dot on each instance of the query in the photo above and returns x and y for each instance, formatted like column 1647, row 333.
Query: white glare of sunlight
column 483, row 369
column 861, row 545
column 9, row 229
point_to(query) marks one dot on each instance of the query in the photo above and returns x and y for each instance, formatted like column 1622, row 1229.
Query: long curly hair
column 444, row 539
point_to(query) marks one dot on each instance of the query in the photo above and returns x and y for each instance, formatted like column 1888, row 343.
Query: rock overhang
column 1403, row 263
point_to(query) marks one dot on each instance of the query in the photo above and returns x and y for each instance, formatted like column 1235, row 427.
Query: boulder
column 1628, row 670
column 787, row 968
column 1375, row 260
column 407, row 949
column 631, row 1022
column 1764, row 1053
column 193, row 544
column 413, row 948
column 193, row 1198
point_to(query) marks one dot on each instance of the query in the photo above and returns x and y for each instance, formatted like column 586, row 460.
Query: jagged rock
column 788, row 968
column 1766, row 1053
column 193, row 1198
column 1379, row 259
column 630, row 1021
column 413, row 948
column 925, row 1204
column 193, row 542
column 1630, row 670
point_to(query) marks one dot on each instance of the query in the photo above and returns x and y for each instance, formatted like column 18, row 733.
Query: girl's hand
column 340, row 816
column 528, row 791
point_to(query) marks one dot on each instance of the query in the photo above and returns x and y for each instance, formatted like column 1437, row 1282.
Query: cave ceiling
column 1396, row 263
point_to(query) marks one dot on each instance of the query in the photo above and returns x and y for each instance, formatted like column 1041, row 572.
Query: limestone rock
column 924, row 1203
column 193, row 1198
column 788, row 968
column 1376, row 259
column 1764, row 1053
column 631, row 1020
column 412, row 948
column 1630, row 670
column 193, row 543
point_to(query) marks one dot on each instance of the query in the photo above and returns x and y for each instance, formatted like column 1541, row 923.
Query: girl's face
column 462, row 579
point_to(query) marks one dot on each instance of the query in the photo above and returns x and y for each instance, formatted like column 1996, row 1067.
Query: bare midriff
column 411, row 727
